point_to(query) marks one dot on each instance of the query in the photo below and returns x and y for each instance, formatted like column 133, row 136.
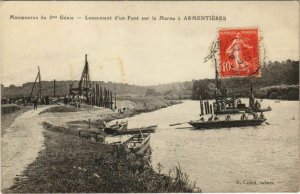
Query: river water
column 228, row 159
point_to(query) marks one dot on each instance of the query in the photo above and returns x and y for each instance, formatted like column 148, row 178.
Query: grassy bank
column 72, row 164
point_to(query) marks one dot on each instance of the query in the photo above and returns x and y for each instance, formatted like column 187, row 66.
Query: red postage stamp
column 239, row 52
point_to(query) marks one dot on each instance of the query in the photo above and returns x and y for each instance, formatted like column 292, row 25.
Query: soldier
column 255, row 116
column 243, row 117
column 35, row 103
column 227, row 117
column 261, row 116
column 202, row 118
column 211, row 118
column 216, row 118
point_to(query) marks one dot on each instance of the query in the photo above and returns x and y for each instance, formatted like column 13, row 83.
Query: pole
column 40, row 83
column 115, row 101
column 105, row 97
column 201, row 106
column 251, row 97
column 101, row 97
column 97, row 94
column 33, row 87
column 111, row 100
column 206, row 107
column 86, row 77
column 54, row 94
column 94, row 95
column 208, row 112
column 217, row 82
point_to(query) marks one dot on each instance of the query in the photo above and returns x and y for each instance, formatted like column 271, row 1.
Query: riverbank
column 64, row 115
column 69, row 163
column 20, row 144
column 72, row 164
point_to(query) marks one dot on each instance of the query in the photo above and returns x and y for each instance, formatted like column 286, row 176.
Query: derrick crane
column 38, row 78
column 84, row 86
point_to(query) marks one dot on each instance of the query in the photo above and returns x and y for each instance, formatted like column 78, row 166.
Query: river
column 228, row 159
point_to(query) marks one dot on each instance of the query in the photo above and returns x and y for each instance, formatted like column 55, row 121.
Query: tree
column 151, row 92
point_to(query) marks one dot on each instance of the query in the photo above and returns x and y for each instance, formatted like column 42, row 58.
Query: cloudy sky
column 134, row 52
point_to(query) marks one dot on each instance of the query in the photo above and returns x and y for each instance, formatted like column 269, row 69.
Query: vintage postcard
column 149, row 96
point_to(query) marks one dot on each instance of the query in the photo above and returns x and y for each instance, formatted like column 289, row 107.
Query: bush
column 152, row 92
column 292, row 94
column 274, row 95
column 5, row 109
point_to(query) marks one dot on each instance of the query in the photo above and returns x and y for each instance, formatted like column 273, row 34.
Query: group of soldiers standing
column 228, row 117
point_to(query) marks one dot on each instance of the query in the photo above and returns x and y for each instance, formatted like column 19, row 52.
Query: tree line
column 275, row 82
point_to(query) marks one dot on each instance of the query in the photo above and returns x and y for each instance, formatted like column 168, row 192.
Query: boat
column 121, row 128
column 226, row 104
column 138, row 143
column 225, row 123
column 149, row 129
column 116, row 128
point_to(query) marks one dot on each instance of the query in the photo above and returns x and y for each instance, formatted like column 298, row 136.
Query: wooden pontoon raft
column 226, row 123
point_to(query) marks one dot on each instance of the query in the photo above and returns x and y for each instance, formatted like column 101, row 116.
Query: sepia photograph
column 149, row 96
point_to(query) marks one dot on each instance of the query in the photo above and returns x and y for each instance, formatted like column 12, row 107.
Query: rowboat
column 149, row 129
column 116, row 128
column 225, row 123
column 124, row 130
column 138, row 143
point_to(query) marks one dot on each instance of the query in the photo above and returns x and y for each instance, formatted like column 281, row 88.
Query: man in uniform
column 261, row 116
column 243, row 117
column 227, row 117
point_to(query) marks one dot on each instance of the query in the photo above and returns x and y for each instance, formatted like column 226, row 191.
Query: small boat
column 225, row 123
column 116, row 128
column 138, row 143
column 149, row 129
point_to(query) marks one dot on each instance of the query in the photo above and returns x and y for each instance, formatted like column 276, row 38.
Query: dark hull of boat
column 119, row 131
column 228, row 111
column 150, row 129
column 116, row 130
column 238, row 111
column 226, row 124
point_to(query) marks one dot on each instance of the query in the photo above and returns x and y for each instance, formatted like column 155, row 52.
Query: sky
column 134, row 52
